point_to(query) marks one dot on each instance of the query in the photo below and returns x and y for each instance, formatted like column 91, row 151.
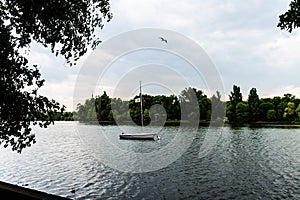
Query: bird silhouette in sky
column 163, row 39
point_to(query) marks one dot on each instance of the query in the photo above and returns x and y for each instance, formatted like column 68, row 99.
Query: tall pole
column 141, row 98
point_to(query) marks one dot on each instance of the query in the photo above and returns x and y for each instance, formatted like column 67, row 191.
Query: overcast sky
column 240, row 37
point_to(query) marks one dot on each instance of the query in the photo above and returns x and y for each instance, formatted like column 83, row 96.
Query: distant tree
column 80, row 109
column 288, row 98
column 280, row 110
column 110, row 116
column 242, row 112
column 204, row 105
column 135, row 108
column 291, row 18
column 62, row 116
column 289, row 112
column 171, row 105
column 271, row 115
column 264, row 106
column 158, row 114
column 219, row 108
column 67, row 116
column 189, row 104
column 103, row 107
column 298, row 112
column 284, row 104
column 253, row 103
column 278, row 107
column 173, row 108
column 68, row 28
column 86, row 112
column 196, row 104
column 146, row 117
column 120, row 110
column 235, row 97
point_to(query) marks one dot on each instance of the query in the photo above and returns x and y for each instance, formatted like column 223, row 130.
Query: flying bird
column 163, row 39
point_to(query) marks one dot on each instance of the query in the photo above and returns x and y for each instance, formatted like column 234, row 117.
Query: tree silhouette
column 253, row 103
column 291, row 18
column 235, row 97
column 68, row 28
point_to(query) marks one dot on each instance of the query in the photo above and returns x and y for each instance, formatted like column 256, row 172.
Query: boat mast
column 141, row 98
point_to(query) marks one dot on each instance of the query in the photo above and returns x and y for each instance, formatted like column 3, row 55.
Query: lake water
column 246, row 163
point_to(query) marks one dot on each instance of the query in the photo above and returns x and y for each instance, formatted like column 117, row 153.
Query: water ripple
column 247, row 163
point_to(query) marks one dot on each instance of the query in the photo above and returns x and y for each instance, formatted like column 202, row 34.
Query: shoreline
column 202, row 123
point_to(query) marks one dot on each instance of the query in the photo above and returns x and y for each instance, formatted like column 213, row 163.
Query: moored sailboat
column 140, row 136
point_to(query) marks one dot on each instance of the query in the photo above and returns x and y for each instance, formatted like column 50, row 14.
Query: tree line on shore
column 284, row 109
column 103, row 108
column 254, row 109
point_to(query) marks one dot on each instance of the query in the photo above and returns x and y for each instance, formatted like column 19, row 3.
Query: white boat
column 140, row 136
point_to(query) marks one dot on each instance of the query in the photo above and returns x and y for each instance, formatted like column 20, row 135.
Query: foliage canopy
column 68, row 28
column 291, row 18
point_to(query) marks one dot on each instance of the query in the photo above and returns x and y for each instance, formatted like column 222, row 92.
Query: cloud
column 287, row 89
column 61, row 91
column 238, row 37
column 121, row 57
column 51, row 67
column 242, row 40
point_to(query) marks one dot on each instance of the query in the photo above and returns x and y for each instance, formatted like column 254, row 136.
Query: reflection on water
column 247, row 163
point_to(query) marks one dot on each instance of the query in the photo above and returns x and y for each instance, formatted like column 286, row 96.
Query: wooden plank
column 10, row 191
